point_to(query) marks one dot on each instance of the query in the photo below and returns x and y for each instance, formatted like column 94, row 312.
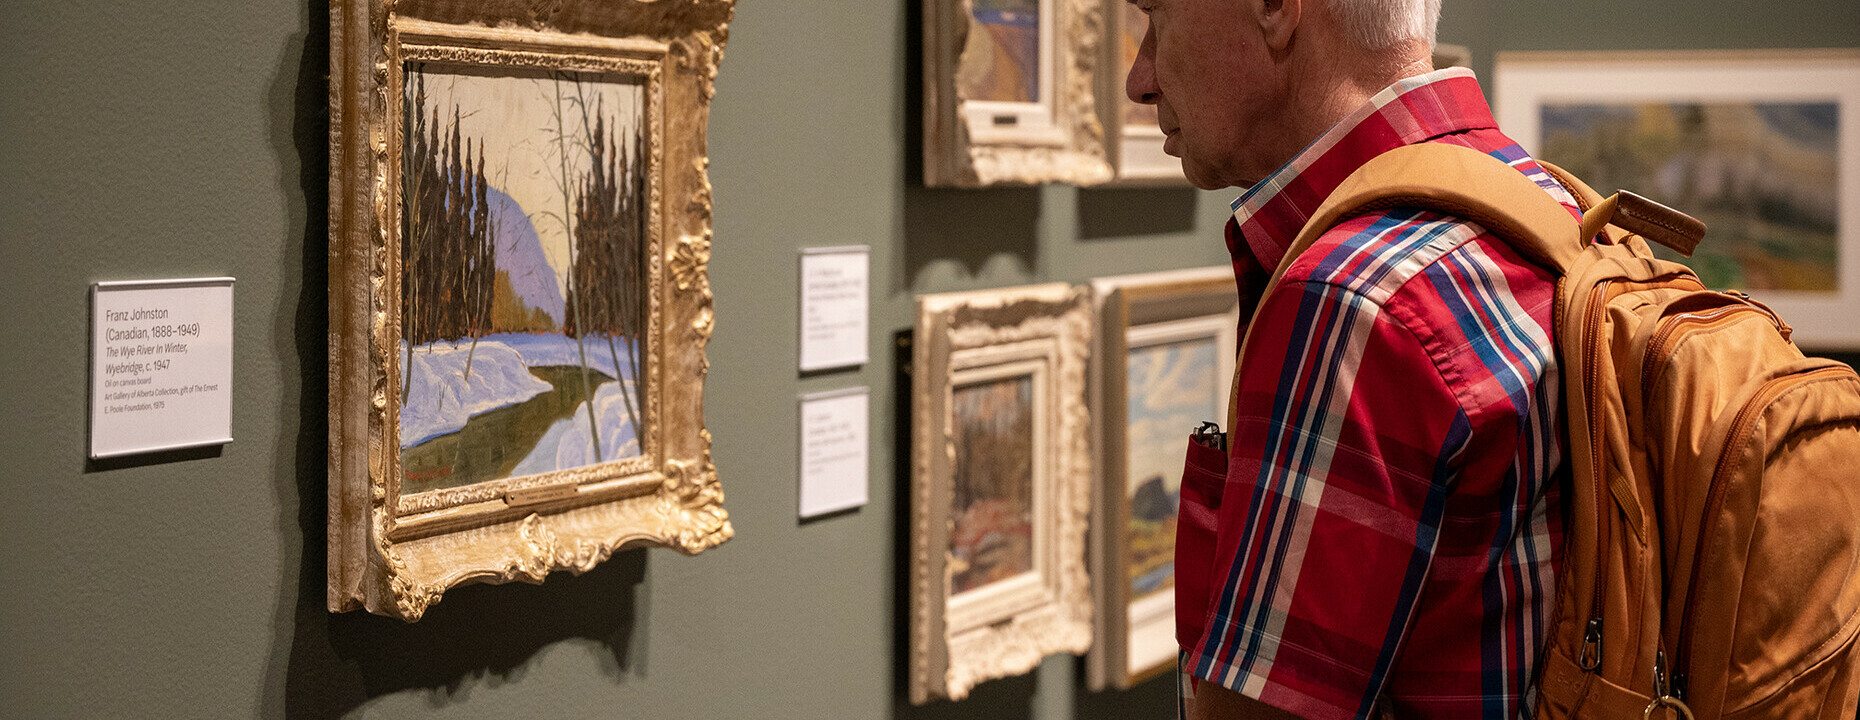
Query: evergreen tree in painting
column 609, row 232
column 448, row 261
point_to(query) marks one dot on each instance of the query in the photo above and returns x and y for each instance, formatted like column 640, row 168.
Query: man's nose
column 1140, row 84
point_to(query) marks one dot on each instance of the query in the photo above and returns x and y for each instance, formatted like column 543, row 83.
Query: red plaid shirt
column 1391, row 522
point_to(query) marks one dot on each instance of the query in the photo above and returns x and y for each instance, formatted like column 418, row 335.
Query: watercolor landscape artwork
column 524, row 302
column 1763, row 176
column 991, row 533
column 1172, row 387
column 1003, row 63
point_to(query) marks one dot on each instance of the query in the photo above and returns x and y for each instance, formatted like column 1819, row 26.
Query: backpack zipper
column 1590, row 657
column 1714, row 500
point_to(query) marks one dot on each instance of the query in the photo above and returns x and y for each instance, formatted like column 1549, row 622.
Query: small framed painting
column 519, row 300
column 1008, row 88
column 1163, row 357
column 1763, row 146
column 1133, row 131
column 1000, row 485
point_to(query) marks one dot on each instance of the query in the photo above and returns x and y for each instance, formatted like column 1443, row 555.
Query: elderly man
column 1382, row 535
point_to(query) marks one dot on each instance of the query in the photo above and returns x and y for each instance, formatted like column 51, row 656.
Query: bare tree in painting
column 576, row 300
column 609, row 227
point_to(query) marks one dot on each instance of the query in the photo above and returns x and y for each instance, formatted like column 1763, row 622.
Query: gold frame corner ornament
column 396, row 555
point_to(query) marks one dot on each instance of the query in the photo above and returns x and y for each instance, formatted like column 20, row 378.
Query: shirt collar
column 1270, row 214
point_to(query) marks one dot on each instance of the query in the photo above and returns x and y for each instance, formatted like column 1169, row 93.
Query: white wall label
column 833, row 451
column 161, row 365
column 834, row 299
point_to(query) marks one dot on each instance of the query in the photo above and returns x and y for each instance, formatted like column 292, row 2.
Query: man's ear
column 1278, row 21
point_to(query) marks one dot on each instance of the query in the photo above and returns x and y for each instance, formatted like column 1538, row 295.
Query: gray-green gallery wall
column 180, row 139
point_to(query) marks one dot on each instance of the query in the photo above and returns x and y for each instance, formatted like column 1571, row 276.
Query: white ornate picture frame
column 516, row 365
column 1163, row 357
column 1000, row 485
column 1761, row 145
column 1133, row 134
column 1008, row 92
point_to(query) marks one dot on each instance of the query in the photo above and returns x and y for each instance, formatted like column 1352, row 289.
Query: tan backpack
column 1712, row 561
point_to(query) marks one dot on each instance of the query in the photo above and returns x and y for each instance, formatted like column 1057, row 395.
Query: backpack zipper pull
column 1659, row 675
column 1591, row 657
column 1662, row 694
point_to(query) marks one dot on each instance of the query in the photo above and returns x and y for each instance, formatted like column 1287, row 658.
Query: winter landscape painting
column 1762, row 175
column 1171, row 388
column 523, row 297
column 991, row 526
column 519, row 318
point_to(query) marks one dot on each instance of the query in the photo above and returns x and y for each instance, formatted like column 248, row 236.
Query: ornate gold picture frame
column 1164, row 353
column 519, row 294
column 1000, row 485
column 1008, row 92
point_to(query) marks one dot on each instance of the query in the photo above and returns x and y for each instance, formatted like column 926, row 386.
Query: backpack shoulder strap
column 1458, row 181
column 1451, row 179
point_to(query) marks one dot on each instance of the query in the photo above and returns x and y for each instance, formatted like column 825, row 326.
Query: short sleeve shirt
column 1391, row 524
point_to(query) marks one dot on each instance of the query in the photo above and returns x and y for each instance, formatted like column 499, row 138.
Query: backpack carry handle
column 1645, row 218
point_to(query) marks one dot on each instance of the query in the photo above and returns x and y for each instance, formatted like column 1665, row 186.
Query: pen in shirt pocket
column 1209, row 435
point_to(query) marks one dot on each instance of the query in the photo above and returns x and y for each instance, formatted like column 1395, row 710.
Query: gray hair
column 1382, row 24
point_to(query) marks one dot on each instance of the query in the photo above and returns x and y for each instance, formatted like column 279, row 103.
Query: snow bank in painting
column 568, row 444
column 441, row 397
column 544, row 349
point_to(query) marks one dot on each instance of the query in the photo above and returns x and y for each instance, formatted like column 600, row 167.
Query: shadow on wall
column 966, row 227
column 1128, row 212
column 337, row 662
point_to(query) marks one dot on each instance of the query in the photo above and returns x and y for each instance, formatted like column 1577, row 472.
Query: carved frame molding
column 954, row 157
column 1006, row 627
column 396, row 555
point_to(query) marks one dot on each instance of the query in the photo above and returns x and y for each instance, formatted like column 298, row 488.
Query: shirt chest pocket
column 1204, row 476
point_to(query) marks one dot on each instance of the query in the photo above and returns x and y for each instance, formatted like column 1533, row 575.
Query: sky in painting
column 1172, row 388
column 516, row 119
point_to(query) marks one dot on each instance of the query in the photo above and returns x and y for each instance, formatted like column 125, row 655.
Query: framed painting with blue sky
column 1162, row 361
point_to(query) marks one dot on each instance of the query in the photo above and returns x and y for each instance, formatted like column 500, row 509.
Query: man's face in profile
column 1204, row 65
